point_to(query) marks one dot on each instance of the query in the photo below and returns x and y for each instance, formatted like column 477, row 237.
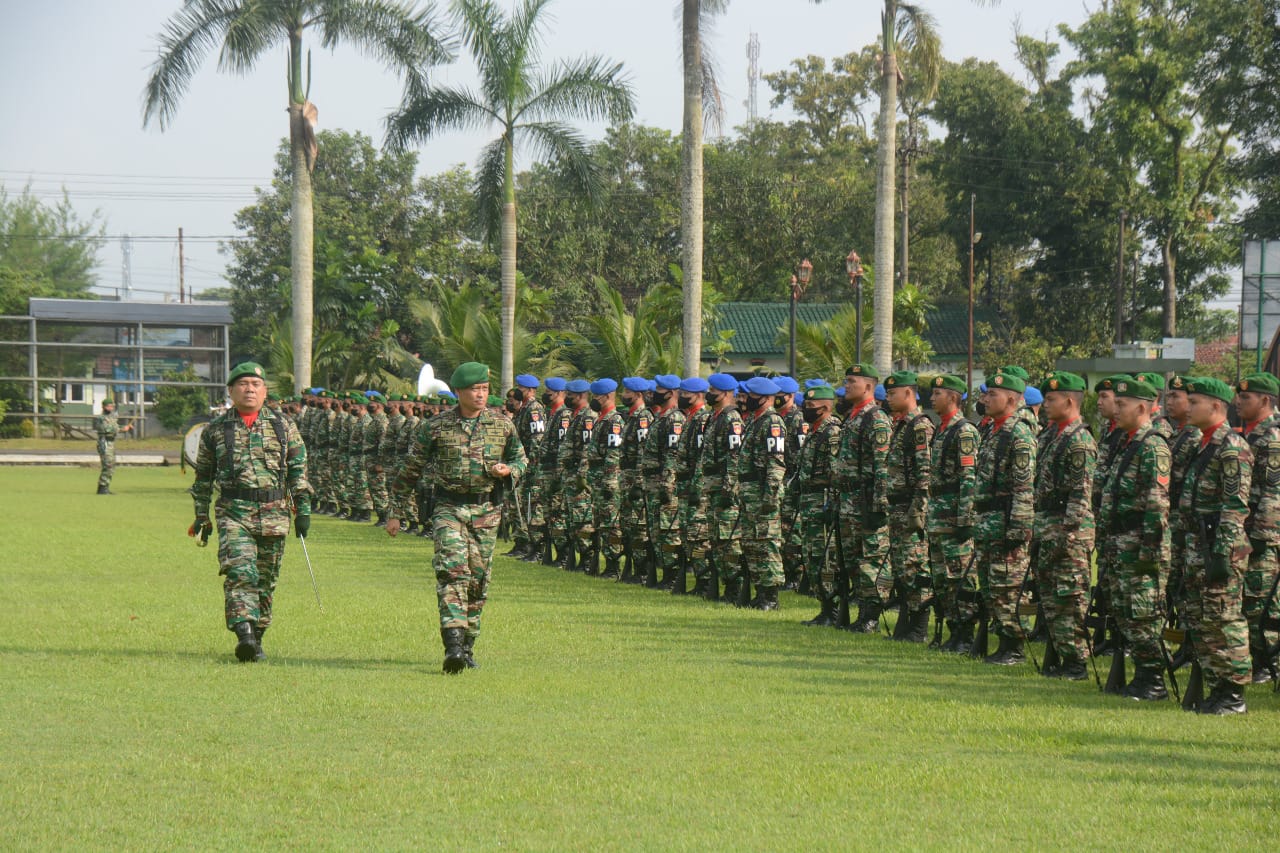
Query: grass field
column 604, row 716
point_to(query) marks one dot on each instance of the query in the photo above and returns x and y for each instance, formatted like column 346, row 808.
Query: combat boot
column 548, row 552
column 825, row 617
column 455, row 657
column 768, row 598
column 731, row 586
column 566, row 555
column 1009, row 653
column 517, row 549
column 1225, row 698
column 588, row 561
column 1147, row 685
column 258, row 633
column 246, row 642
column 903, row 624
column 699, row 587
column 917, row 630
column 868, row 620
column 103, row 490
column 1075, row 670
column 424, row 531
column 468, row 645
column 711, row 591
column 611, row 569
column 361, row 516
column 382, row 518
column 962, row 638
column 1261, row 672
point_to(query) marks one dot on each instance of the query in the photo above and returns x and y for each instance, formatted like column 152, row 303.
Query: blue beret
column 555, row 383
column 449, row 394
column 525, row 380
column 762, row 386
column 983, row 387
column 667, row 381
column 840, row 391
column 650, row 385
column 798, row 397
column 695, row 385
column 880, row 392
column 722, row 382
column 816, row 383
column 578, row 386
column 1033, row 396
column 786, row 384
column 742, row 387
column 636, row 383
column 604, row 386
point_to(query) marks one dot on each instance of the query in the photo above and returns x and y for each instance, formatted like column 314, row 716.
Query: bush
column 27, row 428
column 175, row 405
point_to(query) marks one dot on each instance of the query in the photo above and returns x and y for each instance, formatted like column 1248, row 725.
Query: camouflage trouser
column 665, row 518
column 1062, row 572
column 530, row 496
column 1002, row 567
column 577, row 501
column 1174, row 584
column 909, row 559
column 1219, row 631
column 464, row 536
column 696, row 533
column 726, row 540
column 251, row 566
column 338, row 488
column 606, row 506
column 866, row 557
column 764, row 560
column 954, row 581
column 1137, row 606
column 377, row 477
column 316, row 474
column 359, row 497
column 761, row 526
column 1258, row 581
column 817, row 540
column 635, row 535
column 793, row 551
column 553, row 505
column 107, row 454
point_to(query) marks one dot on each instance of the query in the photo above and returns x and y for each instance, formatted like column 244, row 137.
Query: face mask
column 595, row 405
column 754, row 402
column 685, row 402
column 844, row 407
column 779, row 402
column 811, row 415
column 546, row 398
column 981, row 408
column 628, row 400
column 572, row 401
column 660, row 398
column 713, row 400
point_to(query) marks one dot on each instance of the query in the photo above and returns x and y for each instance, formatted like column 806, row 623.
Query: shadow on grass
column 215, row 657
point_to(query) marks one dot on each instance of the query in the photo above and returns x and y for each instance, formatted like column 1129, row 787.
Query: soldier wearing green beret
column 1214, row 513
column 474, row 456
column 1109, row 438
column 107, row 428
column 815, row 501
column 1184, row 446
column 909, row 466
column 358, row 494
column 1025, row 413
column 1256, row 406
column 375, row 429
column 257, row 460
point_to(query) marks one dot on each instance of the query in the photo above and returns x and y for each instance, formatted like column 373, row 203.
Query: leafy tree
column 45, row 250
column 244, row 30
column 175, row 404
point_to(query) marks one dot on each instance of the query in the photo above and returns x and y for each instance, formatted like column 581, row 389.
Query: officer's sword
column 311, row 571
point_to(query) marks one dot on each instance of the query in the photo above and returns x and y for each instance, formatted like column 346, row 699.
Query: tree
column 244, row 30
column 175, row 404
column 45, row 251
column 528, row 102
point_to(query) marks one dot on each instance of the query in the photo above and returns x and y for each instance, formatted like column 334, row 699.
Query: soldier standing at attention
column 573, row 475
column 631, row 510
column 559, row 417
column 604, row 460
column 1064, row 523
column 797, row 431
column 531, row 425
column 718, row 477
column 1109, row 437
column 1214, row 511
column 814, row 502
column 107, row 428
column 952, row 479
column 863, row 475
column 658, row 466
column 693, row 500
column 1255, row 404
column 1133, row 524
column 909, row 465
column 361, row 500
column 259, row 464
column 1004, row 505
column 761, row 467
column 375, row 429
column 1025, row 411
column 474, row 455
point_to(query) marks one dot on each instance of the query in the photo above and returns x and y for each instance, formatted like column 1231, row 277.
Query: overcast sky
column 73, row 71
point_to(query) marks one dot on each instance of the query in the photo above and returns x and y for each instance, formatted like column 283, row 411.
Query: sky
column 74, row 71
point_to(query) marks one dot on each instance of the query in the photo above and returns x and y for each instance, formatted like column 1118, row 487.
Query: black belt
column 989, row 504
column 944, row 488
column 462, row 497
column 262, row 496
column 900, row 498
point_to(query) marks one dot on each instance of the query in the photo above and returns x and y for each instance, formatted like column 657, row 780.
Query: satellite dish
column 428, row 384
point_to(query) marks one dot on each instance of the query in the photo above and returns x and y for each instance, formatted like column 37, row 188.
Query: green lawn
column 604, row 716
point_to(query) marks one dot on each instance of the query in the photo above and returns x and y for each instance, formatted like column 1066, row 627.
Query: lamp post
column 799, row 282
column 853, row 266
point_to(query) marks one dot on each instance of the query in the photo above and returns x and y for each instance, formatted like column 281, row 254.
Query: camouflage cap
column 1260, row 383
column 1210, row 387
column 1137, row 389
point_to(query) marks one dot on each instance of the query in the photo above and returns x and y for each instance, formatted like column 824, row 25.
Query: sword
column 311, row 571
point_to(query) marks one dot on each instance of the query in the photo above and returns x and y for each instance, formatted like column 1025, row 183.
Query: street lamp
column 799, row 282
column 853, row 266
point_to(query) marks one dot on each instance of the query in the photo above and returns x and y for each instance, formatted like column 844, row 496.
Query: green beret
column 495, row 401
column 1136, row 388
column 1062, row 380
column 271, row 395
column 1109, row 383
column 901, row 379
column 108, row 402
column 950, row 382
column 1007, row 382
column 1155, row 380
column 1014, row 370
column 1178, row 383
column 1261, row 383
column 467, row 374
column 822, row 392
column 864, row 370
column 247, row 368
column 1210, row 387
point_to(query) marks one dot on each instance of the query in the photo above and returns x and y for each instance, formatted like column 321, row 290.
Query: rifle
column 1027, row 580
column 842, row 578
column 1116, row 677
column 980, row 639
column 651, row 570
column 1171, row 669
column 1195, row 685
column 744, row 588
column 1093, row 592
column 1267, row 622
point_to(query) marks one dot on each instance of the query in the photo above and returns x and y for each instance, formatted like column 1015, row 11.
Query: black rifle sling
column 229, row 441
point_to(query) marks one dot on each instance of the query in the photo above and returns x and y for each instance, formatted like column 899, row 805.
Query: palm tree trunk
column 508, row 254
column 882, row 334
column 691, row 191
column 301, row 226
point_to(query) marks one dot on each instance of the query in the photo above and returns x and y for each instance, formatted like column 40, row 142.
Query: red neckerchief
column 1248, row 428
column 946, row 422
column 558, row 407
column 248, row 418
column 996, row 423
column 1207, row 434
column 604, row 411
column 986, row 419
column 786, row 410
column 1111, row 425
column 693, row 410
column 635, row 407
column 866, row 404
column 578, row 410
column 905, row 415
column 1062, row 425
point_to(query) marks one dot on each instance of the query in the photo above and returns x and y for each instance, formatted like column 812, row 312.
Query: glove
column 964, row 532
column 1218, row 568
column 1150, row 568
column 301, row 525
column 876, row 520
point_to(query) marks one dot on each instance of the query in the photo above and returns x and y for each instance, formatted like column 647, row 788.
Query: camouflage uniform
column 107, row 426
column 375, row 429
column 342, row 456
column 631, row 485
column 909, row 465
column 1003, row 502
column 862, row 470
column 256, row 482
column 793, row 546
column 761, row 468
column 658, row 465
column 1064, row 534
column 718, row 482
column 573, row 477
column 531, row 426
column 548, row 486
column 1028, row 416
column 1183, row 449
column 813, row 502
column 406, row 509
column 464, row 521
column 1213, row 513
column 694, row 528
column 604, row 458
column 952, row 480
column 361, row 500
column 1263, row 531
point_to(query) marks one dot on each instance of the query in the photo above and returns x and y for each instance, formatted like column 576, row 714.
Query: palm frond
column 192, row 32
column 488, row 184
column 428, row 110
column 405, row 40
column 589, row 87
column 568, row 149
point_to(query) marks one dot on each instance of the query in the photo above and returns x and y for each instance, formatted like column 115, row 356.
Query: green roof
column 756, row 324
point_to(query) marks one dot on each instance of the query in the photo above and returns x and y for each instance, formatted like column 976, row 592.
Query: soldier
column 548, row 485
column 761, row 467
column 1164, row 426
column 473, row 456
column 862, row 542
column 1214, row 511
column 814, row 503
column 406, row 509
column 386, row 453
column 107, row 428
column 1133, row 524
column 1064, row 523
column 1183, row 449
column 604, row 459
column 694, row 532
column 531, row 425
column 786, row 405
column 717, row 482
column 375, row 429
column 1004, row 514
column 658, row 467
column 630, row 484
column 1255, row 404
column 1108, row 449
column 952, row 479
column 908, row 466
column 574, row 483
column 358, row 476
column 259, row 464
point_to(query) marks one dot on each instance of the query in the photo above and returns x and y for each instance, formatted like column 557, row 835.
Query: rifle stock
column 744, row 585
column 980, row 639
column 842, row 579
column 1194, row 694
column 1116, row 676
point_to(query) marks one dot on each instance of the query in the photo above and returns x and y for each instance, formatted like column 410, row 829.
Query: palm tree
column 621, row 343
column 526, row 101
column 244, row 30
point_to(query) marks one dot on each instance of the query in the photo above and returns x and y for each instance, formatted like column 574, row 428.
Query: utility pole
column 1120, row 280
column 182, row 297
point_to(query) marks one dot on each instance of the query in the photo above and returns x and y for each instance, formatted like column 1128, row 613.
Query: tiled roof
column 1211, row 352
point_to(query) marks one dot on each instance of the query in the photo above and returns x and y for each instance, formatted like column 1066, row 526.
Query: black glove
column 301, row 524
column 876, row 520
column 1218, row 568
column 963, row 532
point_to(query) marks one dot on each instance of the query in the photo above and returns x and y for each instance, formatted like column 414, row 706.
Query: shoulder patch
column 1078, row 459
